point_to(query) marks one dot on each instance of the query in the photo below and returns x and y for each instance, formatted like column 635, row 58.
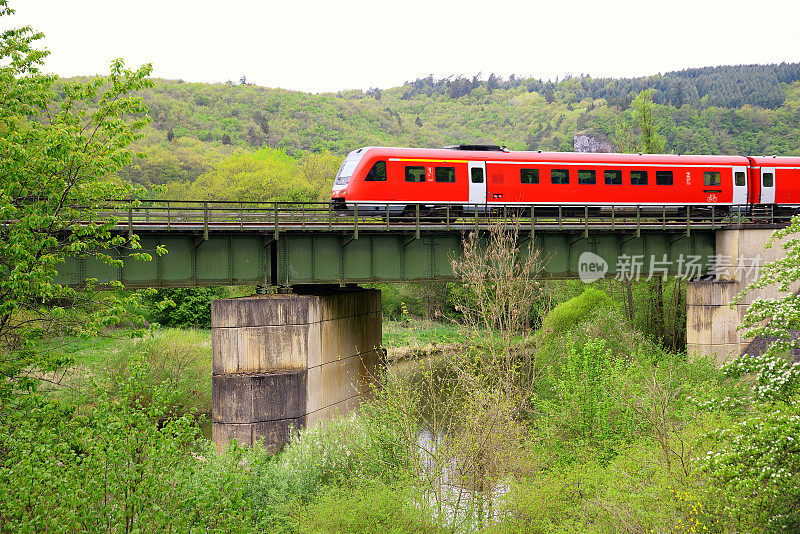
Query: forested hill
column 243, row 141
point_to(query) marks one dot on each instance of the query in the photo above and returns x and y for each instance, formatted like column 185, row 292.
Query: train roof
column 565, row 157
column 776, row 161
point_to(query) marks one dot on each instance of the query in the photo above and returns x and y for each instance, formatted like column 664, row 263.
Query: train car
column 480, row 177
column 775, row 180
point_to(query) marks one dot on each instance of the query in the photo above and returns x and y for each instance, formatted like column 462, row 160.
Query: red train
column 480, row 176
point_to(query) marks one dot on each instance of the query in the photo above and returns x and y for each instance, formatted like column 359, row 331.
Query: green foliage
column 754, row 462
column 701, row 111
column 567, row 315
column 183, row 307
column 585, row 402
column 266, row 174
column 632, row 493
column 756, row 465
column 369, row 507
column 56, row 150
column 638, row 131
column 176, row 361
column 341, row 450
column 428, row 300
column 116, row 468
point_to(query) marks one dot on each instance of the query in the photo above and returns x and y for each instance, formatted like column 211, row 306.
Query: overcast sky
column 331, row 45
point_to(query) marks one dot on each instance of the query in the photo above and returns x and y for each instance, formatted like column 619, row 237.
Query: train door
column 739, row 185
column 767, row 185
column 477, row 182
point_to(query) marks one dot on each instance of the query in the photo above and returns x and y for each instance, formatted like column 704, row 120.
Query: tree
column 756, row 463
column 639, row 130
column 59, row 144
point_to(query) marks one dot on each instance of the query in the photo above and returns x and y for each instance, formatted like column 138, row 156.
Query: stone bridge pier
column 286, row 361
column 711, row 322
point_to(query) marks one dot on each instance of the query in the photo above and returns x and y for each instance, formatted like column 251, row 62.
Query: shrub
column 631, row 493
column 183, row 307
column 756, row 466
column 581, row 398
column 369, row 507
column 116, row 468
column 341, row 450
column 567, row 315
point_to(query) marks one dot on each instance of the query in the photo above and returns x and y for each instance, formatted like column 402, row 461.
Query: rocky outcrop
column 590, row 143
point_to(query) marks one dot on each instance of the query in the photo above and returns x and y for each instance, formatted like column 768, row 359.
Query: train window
column 767, row 178
column 638, row 177
column 740, row 179
column 663, row 177
column 415, row 174
column 711, row 178
column 377, row 173
column 446, row 174
column 559, row 176
column 613, row 177
column 529, row 176
column 586, row 176
column 477, row 175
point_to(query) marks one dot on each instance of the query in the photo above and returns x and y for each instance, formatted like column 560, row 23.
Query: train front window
column 586, row 176
column 348, row 166
column 712, row 178
column 445, row 174
column 559, row 176
column 377, row 173
column 663, row 177
column 613, row 177
column 638, row 177
column 415, row 174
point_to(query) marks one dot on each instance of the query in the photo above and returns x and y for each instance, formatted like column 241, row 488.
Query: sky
column 320, row 46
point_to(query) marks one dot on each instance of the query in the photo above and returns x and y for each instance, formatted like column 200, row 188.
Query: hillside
column 224, row 139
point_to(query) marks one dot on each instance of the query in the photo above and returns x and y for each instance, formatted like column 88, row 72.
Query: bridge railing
column 279, row 216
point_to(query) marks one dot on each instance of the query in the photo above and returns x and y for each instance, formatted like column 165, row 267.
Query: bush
column 341, row 450
column 183, row 307
column 631, row 493
column 430, row 300
column 581, row 399
column 118, row 467
column 567, row 315
column 368, row 507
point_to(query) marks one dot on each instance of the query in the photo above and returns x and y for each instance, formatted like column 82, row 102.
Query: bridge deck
column 213, row 243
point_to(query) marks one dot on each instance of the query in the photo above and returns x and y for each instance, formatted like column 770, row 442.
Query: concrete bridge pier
column 711, row 322
column 289, row 360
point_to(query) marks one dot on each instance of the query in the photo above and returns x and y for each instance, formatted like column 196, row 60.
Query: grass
column 418, row 332
column 179, row 357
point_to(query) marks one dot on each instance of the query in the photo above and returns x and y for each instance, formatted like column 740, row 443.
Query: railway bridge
column 291, row 358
